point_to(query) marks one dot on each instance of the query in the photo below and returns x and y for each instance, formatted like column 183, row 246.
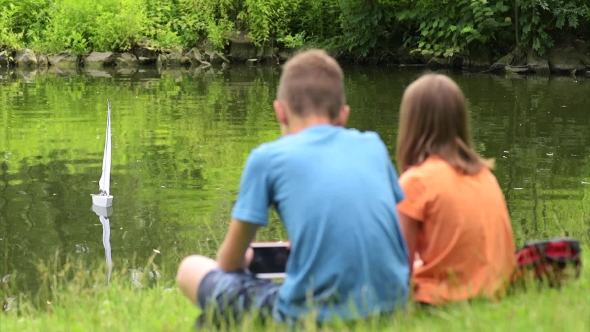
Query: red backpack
column 551, row 261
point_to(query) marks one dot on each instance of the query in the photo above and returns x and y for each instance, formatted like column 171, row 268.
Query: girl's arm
column 410, row 228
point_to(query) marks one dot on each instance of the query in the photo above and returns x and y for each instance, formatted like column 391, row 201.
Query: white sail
column 106, row 234
column 105, row 179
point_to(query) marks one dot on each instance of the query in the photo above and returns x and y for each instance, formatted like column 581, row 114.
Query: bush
column 356, row 28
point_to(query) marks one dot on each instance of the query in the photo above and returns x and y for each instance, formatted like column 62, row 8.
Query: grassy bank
column 357, row 29
column 86, row 303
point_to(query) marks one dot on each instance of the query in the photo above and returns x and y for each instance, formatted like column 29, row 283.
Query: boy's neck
column 298, row 124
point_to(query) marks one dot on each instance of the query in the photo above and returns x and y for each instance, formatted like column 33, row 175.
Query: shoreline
column 156, row 72
column 567, row 59
column 153, row 72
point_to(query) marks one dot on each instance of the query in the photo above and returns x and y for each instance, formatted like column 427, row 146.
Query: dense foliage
column 357, row 28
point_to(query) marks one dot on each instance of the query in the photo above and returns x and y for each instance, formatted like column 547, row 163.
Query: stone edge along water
column 569, row 58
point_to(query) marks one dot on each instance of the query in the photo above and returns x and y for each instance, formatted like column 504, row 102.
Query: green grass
column 86, row 303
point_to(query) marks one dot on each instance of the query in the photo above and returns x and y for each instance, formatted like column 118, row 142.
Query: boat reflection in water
column 103, row 214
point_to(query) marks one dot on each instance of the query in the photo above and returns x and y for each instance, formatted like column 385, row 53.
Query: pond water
column 181, row 137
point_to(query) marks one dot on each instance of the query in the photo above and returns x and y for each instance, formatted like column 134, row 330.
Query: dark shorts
column 228, row 296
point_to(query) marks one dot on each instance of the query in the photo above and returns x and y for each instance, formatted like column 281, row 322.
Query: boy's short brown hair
column 312, row 82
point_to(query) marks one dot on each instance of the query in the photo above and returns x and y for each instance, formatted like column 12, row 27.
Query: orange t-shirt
column 465, row 239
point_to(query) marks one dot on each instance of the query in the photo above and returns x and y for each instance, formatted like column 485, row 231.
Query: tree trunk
column 516, row 24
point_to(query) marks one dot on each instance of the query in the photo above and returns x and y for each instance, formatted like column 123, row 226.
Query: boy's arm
column 249, row 212
column 234, row 253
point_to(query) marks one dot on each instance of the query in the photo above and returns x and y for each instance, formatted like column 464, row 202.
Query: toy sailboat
column 103, row 214
column 104, row 198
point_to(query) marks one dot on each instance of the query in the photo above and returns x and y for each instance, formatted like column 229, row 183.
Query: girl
column 454, row 215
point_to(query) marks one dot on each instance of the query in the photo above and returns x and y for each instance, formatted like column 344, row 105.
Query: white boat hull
column 102, row 211
column 101, row 200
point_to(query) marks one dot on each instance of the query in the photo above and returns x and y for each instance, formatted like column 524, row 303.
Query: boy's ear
column 343, row 116
column 282, row 115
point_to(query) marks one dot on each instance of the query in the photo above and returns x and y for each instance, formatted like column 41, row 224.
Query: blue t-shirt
column 335, row 190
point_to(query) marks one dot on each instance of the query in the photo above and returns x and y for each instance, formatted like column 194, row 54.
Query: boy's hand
column 248, row 258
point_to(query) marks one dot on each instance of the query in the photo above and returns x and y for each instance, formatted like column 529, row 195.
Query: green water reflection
column 181, row 137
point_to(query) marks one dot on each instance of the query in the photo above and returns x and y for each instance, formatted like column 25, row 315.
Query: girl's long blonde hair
column 434, row 121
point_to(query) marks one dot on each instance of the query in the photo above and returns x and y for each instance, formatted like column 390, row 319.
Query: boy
column 335, row 190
